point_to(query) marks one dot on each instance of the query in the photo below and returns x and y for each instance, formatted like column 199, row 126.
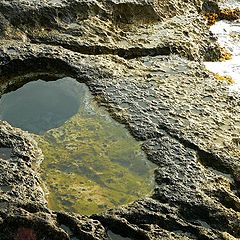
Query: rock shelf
column 143, row 61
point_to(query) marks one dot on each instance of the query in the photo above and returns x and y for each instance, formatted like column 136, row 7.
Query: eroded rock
column 142, row 61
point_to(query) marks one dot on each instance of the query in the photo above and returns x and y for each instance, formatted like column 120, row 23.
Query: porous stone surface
column 142, row 60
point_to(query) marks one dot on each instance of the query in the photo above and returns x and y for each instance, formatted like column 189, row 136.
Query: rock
column 210, row 7
column 143, row 62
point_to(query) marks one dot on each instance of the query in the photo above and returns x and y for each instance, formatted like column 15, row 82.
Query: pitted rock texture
column 142, row 60
column 126, row 28
column 19, row 180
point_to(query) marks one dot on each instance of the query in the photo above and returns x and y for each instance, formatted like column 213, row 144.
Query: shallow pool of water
column 91, row 162
column 39, row 106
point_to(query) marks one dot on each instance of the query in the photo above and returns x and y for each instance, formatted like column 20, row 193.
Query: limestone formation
column 142, row 60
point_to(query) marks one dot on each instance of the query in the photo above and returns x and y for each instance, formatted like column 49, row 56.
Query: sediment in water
column 91, row 163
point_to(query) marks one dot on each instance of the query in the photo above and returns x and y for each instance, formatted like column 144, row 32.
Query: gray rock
column 143, row 62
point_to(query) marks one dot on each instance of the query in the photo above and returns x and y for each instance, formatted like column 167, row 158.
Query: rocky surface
column 143, row 61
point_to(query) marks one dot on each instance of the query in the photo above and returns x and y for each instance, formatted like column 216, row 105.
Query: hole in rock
column 91, row 162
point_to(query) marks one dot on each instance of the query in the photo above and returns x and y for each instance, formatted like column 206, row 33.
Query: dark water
column 39, row 106
column 91, row 162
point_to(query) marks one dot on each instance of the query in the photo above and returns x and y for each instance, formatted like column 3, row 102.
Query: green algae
column 91, row 162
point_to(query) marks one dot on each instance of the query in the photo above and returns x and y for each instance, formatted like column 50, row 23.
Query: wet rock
column 142, row 61
column 18, row 171
column 81, row 227
column 210, row 6
column 21, row 195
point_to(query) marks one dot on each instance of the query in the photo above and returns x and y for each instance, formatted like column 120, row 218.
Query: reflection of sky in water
column 228, row 34
column 39, row 106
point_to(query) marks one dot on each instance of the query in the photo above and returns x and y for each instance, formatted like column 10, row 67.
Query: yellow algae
column 223, row 14
column 229, row 14
column 91, row 165
column 228, row 79
column 225, row 55
column 211, row 18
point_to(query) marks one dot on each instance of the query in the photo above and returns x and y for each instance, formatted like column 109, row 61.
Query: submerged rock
column 142, row 60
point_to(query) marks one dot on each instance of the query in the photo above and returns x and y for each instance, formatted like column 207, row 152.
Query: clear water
column 228, row 35
column 91, row 162
column 39, row 106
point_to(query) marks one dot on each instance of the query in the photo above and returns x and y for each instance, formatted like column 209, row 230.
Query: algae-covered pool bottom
column 91, row 162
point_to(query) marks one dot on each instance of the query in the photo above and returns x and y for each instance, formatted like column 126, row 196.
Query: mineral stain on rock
column 91, row 162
